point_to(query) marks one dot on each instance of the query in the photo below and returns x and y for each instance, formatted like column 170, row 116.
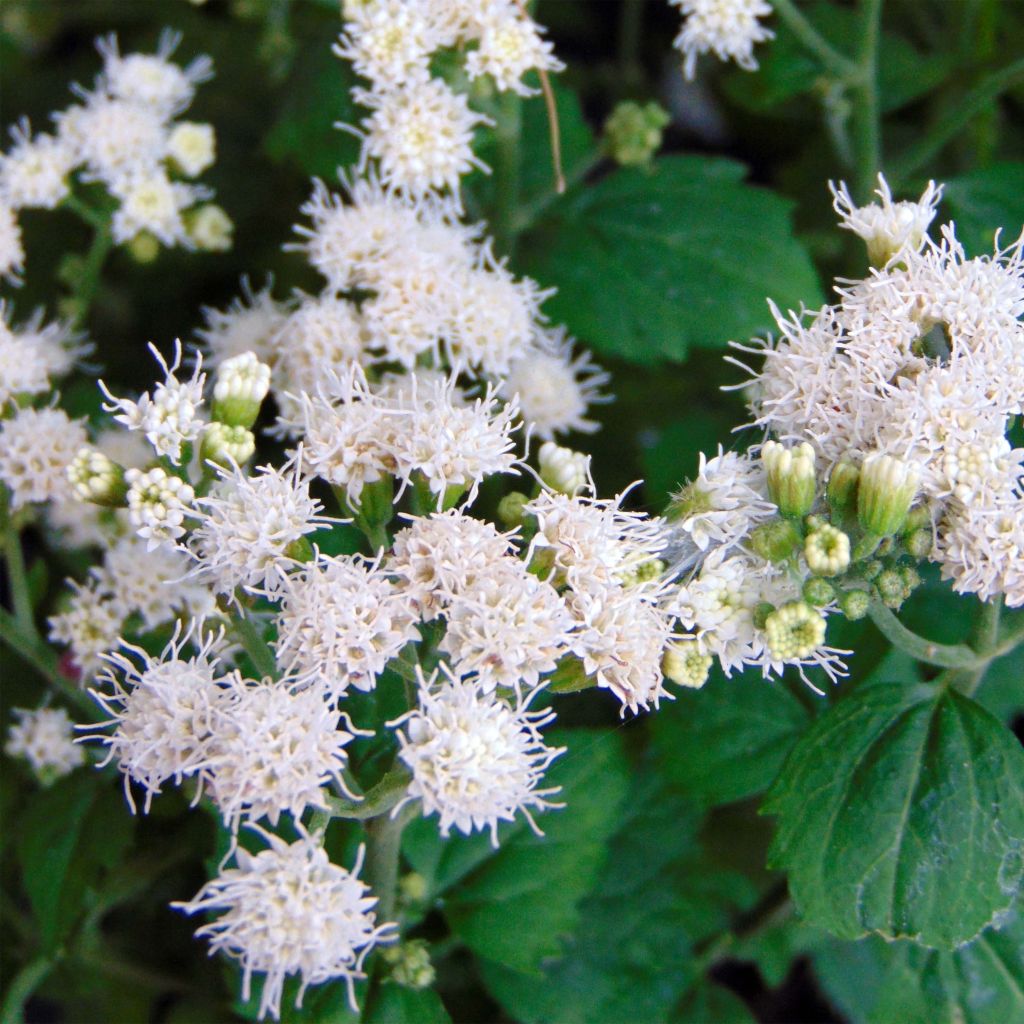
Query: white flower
column 555, row 387
column 57, row 345
column 509, row 46
column 723, row 502
column 887, row 227
column 341, row 621
column 728, row 28
column 164, row 711
column 592, row 542
column 982, row 551
column 388, row 41
column 151, row 79
column 12, row 252
column 247, row 524
column 23, row 367
column 90, row 627
column 152, row 203
column 421, row 135
column 563, row 469
column 169, row 417
column 157, row 504
column 36, row 448
column 442, row 555
column 192, row 147
column 622, row 636
column 209, row 228
column 274, row 749
column 247, row 325
column 44, row 738
column 289, row 911
column 34, row 171
column 507, row 626
column 475, row 760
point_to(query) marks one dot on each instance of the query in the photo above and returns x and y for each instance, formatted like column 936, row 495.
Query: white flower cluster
column 44, row 738
column 123, row 133
column 727, row 28
column 34, row 353
column 922, row 361
column 419, row 133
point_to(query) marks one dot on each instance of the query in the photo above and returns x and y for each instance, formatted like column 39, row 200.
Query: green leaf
column 709, row 1003
column 631, row 955
column 515, row 908
column 728, row 740
column 985, row 200
column 68, row 836
column 901, row 812
column 876, row 982
column 395, row 1004
column 649, row 263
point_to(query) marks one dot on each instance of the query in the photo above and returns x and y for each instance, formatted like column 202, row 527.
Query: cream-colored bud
column 683, row 663
column 242, row 384
column 210, row 228
column 827, row 551
column 192, row 147
column 225, row 444
column 791, row 479
column 563, row 469
column 96, row 478
column 794, row 631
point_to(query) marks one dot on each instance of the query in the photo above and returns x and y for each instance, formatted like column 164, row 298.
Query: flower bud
column 919, row 543
column 242, row 384
column 223, row 444
column 761, row 613
column 96, row 478
column 144, row 248
column 854, row 604
column 774, row 541
column 887, row 489
column 683, row 663
column 192, row 147
column 827, row 551
column 511, row 509
column 794, row 631
column 632, row 133
column 842, row 485
column 410, row 964
column 210, row 228
column 818, row 592
column 563, row 469
column 413, row 887
column 891, row 588
column 791, row 481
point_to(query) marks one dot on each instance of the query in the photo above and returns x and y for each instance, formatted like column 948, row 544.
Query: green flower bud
column 632, row 133
column 794, row 631
column 98, row 479
column 563, row 469
column 144, row 248
column 683, row 663
column 918, row 518
column 511, row 509
column 854, row 604
column 872, row 569
column 761, row 614
column 689, row 500
column 919, row 543
column 242, row 384
column 891, row 588
column 791, row 481
column 827, row 551
column 413, row 887
column 818, row 592
column 911, row 579
column 887, row 489
column 774, row 541
column 223, row 444
column 842, row 485
column 410, row 964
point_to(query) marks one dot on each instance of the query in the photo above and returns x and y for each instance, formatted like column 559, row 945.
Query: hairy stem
column 867, row 120
column 383, row 854
column 954, row 656
column 984, row 637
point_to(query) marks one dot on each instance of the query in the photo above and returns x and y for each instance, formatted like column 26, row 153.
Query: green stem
column 811, row 39
column 17, row 580
column 1009, row 642
column 375, row 802
column 255, row 646
column 383, row 854
column 506, row 171
column 955, row 656
column 21, row 987
column 44, row 660
column 84, row 291
column 630, row 31
column 529, row 213
column 984, row 635
column 867, row 121
column 958, row 118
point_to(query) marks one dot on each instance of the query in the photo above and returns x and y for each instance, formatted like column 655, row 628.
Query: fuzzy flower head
column 164, row 712
column 152, row 204
column 727, row 28
column 341, row 621
column 36, row 448
column 249, row 324
column 982, row 551
column 421, row 136
column 34, row 171
column 509, row 45
column 12, row 252
column 23, row 367
column 247, row 526
column 44, row 738
column 388, row 41
column 169, row 416
column 157, row 504
column 475, row 759
column 885, row 226
column 288, row 911
column 90, row 626
column 275, row 749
